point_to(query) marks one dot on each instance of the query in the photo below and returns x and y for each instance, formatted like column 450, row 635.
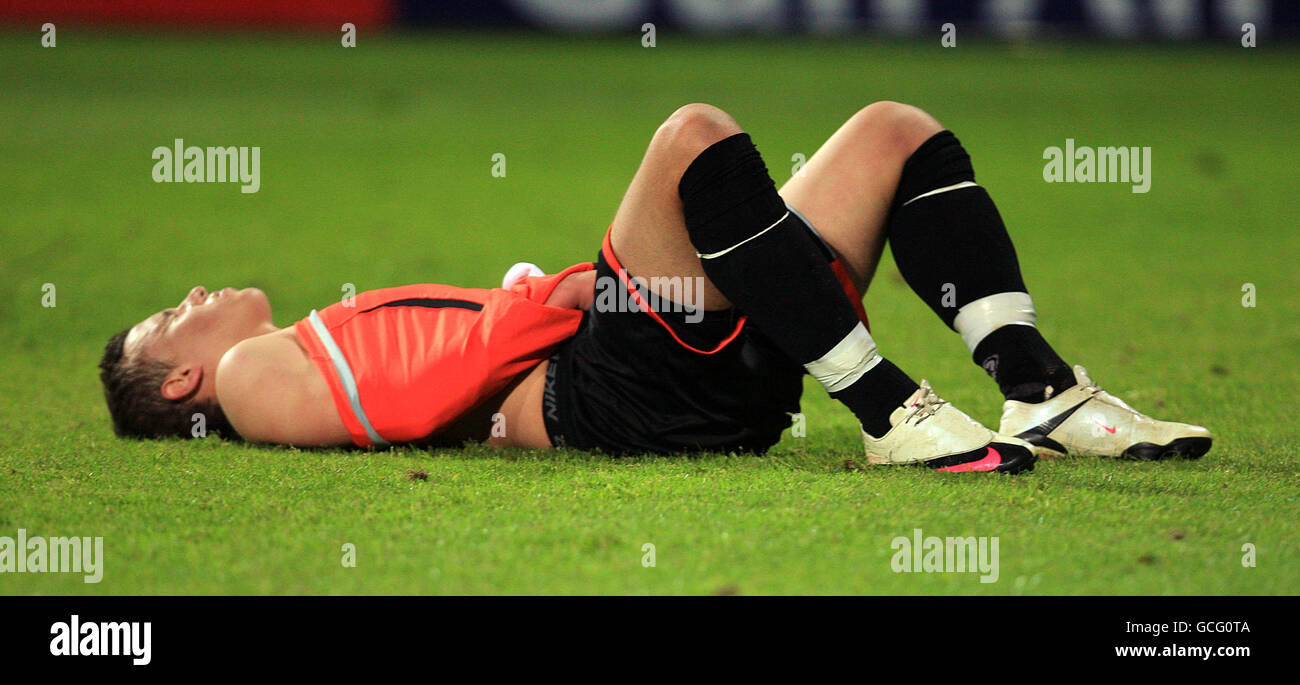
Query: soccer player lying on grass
column 781, row 274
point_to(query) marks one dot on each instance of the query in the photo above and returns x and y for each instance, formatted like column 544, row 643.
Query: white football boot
column 519, row 272
column 929, row 431
column 1086, row 420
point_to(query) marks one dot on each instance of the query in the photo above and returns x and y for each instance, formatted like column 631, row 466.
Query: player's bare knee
column 693, row 128
column 893, row 127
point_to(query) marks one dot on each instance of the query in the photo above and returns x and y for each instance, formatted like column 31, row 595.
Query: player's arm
column 270, row 392
column 576, row 291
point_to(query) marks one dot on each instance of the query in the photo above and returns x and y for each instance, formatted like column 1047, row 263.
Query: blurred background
column 1170, row 19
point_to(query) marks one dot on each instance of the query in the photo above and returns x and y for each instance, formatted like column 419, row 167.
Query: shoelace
column 1086, row 383
column 1090, row 386
column 926, row 405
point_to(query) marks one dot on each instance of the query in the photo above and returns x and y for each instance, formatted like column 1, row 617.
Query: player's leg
column 893, row 172
column 847, row 187
column 648, row 232
column 650, row 237
column 728, row 223
column 862, row 188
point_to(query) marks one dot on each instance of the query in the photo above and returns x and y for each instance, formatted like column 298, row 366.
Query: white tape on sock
column 975, row 320
column 848, row 361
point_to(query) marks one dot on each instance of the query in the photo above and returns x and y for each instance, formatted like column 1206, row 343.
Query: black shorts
column 664, row 381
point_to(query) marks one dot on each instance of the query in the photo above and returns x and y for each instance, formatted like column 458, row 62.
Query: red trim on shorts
column 841, row 275
column 607, row 249
column 846, row 282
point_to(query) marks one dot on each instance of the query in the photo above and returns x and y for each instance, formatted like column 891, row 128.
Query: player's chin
column 255, row 298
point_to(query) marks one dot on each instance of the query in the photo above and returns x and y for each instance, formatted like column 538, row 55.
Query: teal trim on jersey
column 345, row 376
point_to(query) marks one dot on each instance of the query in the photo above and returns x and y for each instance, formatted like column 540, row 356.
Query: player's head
column 160, row 372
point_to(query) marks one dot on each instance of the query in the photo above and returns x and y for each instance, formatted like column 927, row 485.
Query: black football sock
column 1023, row 364
column 761, row 256
column 953, row 250
column 875, row 396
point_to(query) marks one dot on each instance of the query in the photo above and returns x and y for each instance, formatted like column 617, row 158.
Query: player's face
column 203, row 325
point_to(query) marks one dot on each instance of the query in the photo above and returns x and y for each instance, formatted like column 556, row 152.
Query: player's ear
column 182, row 381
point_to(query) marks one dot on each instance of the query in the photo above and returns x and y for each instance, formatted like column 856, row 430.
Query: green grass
column 375, row 171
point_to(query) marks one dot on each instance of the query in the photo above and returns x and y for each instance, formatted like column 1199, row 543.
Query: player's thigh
column 648, row 233
column 846, row 188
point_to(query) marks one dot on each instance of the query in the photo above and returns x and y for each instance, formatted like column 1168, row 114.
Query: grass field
column 376, row 171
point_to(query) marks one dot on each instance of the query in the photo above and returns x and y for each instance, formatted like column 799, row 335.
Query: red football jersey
column 402, row 363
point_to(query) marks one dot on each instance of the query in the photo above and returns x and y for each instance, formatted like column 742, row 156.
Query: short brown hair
column 133, row 391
